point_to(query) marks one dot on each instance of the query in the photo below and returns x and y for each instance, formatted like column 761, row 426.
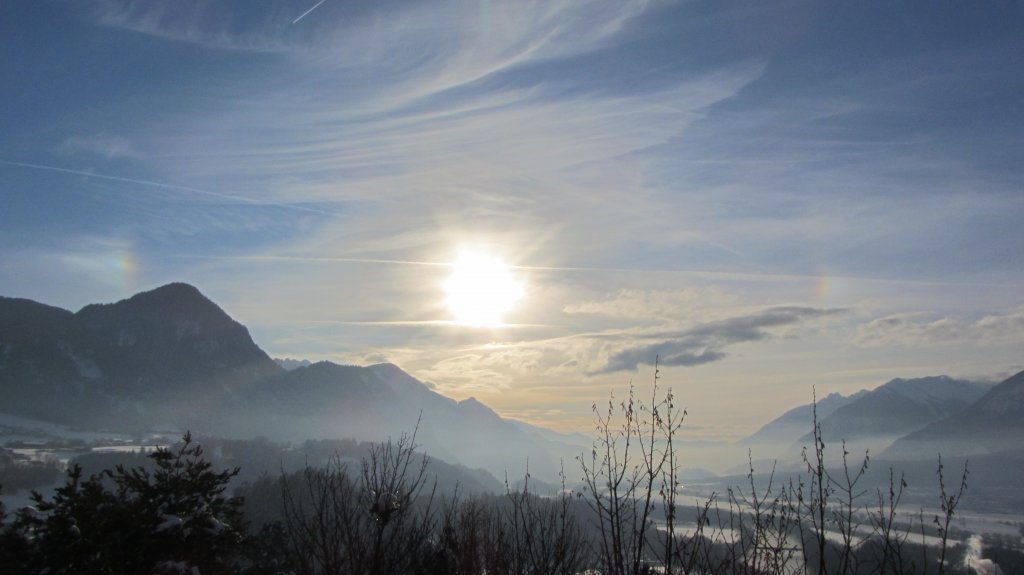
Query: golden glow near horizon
column 481, row 290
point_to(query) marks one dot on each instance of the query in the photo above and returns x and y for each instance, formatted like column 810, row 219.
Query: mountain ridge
column 171, row 358
column 795, row 422
column 898, row 407
column 992, row 424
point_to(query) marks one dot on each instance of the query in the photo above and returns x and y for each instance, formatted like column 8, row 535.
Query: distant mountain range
column 934, row 410
column 172, row 359
column 993, row 424
column 796, row 422
column 290, row 364
column 897, row 408
column 906, row 425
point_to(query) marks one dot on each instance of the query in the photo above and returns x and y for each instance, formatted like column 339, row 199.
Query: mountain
column 381, row 401
column 290, row 364
column 795, row 423
column 133, row 363
column 896, row 408
column 866, row 420
column 993, row 424
column 578, row 440
column 172, row 359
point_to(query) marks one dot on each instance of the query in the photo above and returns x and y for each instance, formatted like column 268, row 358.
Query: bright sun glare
column 481, row 290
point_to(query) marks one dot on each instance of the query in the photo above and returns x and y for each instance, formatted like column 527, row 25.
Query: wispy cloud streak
column 165, row 186
column 306, row 13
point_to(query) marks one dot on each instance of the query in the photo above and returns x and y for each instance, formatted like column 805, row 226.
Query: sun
column 481, row 290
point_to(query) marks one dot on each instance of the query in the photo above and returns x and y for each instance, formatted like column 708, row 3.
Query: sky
column 767, row 198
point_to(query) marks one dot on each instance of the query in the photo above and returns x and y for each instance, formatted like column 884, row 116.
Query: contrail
column 711, row 274
column 421, row 322
column 323, row 259
column 163, row 186
column 306, row 13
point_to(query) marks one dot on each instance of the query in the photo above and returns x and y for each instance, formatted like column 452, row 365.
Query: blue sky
column 767, row 196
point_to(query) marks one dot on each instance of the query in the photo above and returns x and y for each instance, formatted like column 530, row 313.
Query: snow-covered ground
column 17, row 428
column 38, row 440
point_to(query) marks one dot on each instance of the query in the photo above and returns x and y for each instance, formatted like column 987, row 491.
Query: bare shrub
column 374, row 524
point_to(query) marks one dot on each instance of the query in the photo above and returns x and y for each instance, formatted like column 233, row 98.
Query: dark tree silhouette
column 170, row 519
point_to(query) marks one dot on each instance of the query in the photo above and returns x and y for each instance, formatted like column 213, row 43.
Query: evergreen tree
column 172, row 519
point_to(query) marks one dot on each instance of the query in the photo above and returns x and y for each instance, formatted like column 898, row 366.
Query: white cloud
column 399, row 116
column 480, row 37
column 926, row 329
column 467, row 373
column 108, row 146
column 666, row 305
column 1003, row 326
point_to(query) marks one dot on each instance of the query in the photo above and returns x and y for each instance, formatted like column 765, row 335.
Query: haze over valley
column 170, row 360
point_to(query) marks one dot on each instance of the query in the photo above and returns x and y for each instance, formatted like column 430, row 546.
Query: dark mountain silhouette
column 36, row 362
column 170, row 337
column 172, row 359
column 129, row 364
column 896, row 408
column 991, row 425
